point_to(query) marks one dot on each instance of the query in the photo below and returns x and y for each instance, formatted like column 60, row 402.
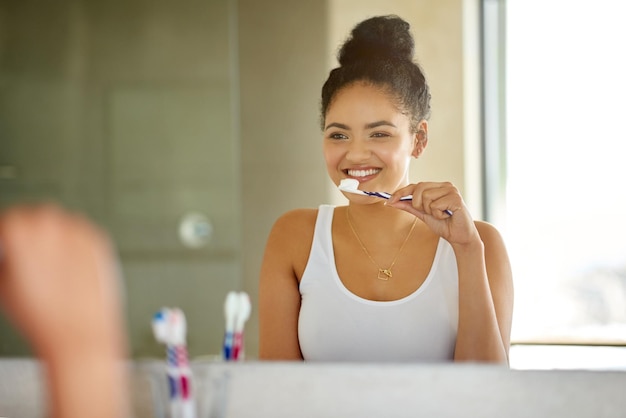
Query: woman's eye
column 380, row 135
column 337, row 135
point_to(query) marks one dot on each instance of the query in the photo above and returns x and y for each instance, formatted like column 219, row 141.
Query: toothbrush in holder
column 231, row 307
column 352, row 186
column 237, row 310
column 242, row 316
column 179, row 340
column 169, row 327
column 162, row 333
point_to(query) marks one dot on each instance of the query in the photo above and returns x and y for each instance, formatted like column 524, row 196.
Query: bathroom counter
column 301, row 390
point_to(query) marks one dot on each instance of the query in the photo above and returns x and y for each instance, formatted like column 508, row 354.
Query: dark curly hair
column 380, row 51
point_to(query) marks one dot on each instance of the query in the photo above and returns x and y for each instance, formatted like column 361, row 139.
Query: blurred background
column 186, row 128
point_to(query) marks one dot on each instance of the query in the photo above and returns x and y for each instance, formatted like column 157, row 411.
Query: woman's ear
column 421, row 139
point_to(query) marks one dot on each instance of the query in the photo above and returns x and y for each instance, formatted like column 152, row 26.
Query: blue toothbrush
column 352, row 186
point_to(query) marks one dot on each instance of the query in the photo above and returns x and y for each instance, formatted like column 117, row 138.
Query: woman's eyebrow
column 379, row 123
column 337, row 125
column 371, row 125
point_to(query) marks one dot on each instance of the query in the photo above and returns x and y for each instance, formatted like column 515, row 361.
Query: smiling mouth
column 362, row 173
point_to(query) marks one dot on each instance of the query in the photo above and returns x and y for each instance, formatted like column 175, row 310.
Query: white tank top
column 337, row 325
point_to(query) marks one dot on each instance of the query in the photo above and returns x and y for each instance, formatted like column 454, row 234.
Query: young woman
column 399, row 280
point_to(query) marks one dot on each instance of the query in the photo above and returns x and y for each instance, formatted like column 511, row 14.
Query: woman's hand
column 58, row 278
column 59, row 284
column 485, row 282
column 430, row 203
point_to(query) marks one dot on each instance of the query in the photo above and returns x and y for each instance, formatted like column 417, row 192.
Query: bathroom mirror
column 181, row 128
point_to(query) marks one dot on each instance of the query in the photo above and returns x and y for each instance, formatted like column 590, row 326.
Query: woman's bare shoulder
column 496, row 253
column 296, row 221
column 290, row 240
column 489, row 233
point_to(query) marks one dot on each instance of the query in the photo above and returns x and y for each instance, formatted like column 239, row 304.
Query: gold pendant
column 384, row 274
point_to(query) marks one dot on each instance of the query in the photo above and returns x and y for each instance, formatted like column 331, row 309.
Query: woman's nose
column 358, row 151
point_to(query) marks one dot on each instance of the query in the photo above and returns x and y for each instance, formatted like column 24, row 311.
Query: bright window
column 564, row 197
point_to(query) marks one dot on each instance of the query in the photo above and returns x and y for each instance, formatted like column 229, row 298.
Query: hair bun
column 381, row 37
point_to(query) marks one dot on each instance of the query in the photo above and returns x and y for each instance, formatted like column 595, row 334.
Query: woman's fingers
column 441, row 207
column 72, row 285
column 432, row 198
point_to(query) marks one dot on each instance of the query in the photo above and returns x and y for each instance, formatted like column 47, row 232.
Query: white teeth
column 363, row 173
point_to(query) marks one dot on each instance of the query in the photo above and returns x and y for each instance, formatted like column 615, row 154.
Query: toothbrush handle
column 228, row 345
column 173, row 376
column 386, row 195
column 187, row 408
column 238, row 346
column 447, row 211
column 187, row 405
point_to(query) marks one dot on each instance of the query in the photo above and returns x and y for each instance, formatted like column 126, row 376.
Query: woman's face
column 366, row 137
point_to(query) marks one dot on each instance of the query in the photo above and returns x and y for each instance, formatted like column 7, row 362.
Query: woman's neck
column 378, row 219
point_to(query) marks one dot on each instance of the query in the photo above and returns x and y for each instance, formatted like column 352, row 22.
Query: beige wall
column 282, row 66
column 286, row 51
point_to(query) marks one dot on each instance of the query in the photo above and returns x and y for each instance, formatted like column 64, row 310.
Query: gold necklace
column 383, row 274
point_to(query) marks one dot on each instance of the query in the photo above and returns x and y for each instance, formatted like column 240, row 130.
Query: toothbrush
column 169, row 327
column 242, row 316
column 231, row 308
column 179, row 332
column 352, row 186
column 162, row 333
